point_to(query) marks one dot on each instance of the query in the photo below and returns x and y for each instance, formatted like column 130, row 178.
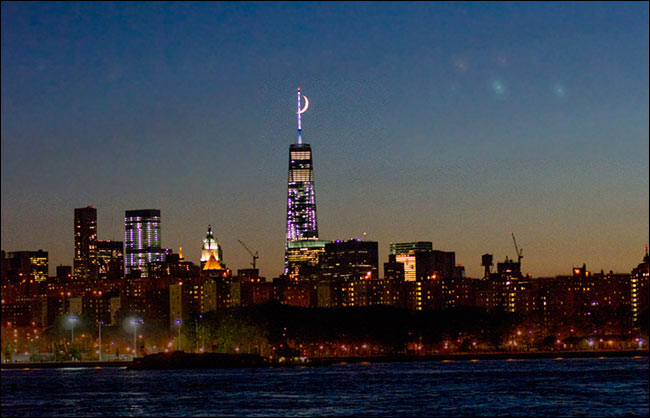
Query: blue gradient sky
column 451, row 123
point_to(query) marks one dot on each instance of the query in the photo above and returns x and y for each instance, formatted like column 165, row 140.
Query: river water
column 543, row 387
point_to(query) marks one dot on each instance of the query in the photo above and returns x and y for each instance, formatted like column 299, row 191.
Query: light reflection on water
column 549, row 387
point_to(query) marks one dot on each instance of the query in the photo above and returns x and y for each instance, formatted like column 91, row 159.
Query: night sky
column 450, row 123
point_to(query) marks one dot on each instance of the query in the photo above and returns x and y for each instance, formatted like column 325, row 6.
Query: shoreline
column 64, row 364
column 325, row 361
column 521, row 355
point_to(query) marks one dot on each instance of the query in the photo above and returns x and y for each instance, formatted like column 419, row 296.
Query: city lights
column 438, row 131
column 138, row 279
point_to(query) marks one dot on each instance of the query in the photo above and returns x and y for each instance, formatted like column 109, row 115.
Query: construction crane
column 255, row 256
column 519, row 252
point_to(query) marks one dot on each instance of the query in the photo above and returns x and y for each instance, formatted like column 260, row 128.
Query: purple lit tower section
column 142, row 240
column 301, row 196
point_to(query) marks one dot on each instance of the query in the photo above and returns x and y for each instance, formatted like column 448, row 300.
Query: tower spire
column 300, row 112
column 302, row 225
column 299, row 119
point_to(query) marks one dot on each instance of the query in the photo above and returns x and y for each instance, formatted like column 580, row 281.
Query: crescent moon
column 304, row 109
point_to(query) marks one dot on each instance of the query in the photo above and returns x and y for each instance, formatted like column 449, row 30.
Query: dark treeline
column 389, row 327
column 276, row 329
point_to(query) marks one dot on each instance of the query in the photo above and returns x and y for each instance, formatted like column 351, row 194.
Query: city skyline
column 470, row 141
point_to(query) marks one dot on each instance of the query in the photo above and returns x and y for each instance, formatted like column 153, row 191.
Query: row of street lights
column 73, row 321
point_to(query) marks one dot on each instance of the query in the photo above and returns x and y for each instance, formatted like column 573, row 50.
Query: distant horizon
column 454, row 123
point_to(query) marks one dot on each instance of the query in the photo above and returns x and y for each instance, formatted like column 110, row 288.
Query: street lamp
column 135, row 323
column 179, row 322
column 100, row 339
column 73, row 320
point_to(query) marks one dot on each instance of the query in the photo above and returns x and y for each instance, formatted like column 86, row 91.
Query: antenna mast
column 299, row 120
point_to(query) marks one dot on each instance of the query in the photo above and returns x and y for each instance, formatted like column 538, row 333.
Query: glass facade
column 142, row 240
column 302, row 223
column 301, row 198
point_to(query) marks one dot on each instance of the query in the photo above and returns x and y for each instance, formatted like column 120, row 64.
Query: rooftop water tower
column 486, row 261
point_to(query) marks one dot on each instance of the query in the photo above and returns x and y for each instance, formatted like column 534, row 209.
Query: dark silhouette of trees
column 257, row 328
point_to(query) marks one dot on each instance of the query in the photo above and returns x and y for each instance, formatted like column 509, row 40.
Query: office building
column 302, row 224
column 110, row 259
column 350, row 260
column 301, row 197
column 85, row 244
column 142, row 240
column 19, row 265
column 405, row 253
column 422, row 262
column 302, row 259
column 393, row 270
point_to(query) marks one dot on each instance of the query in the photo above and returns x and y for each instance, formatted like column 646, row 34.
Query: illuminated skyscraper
column 210, row 246
column 85, row 243
column 301, row 198
column 142, row 240
column 302, row 224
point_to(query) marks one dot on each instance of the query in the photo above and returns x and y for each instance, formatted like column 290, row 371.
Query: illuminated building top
column 212, row 263
column 210, row 247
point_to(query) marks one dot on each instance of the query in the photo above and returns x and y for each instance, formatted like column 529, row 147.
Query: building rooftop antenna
column 300, row 112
